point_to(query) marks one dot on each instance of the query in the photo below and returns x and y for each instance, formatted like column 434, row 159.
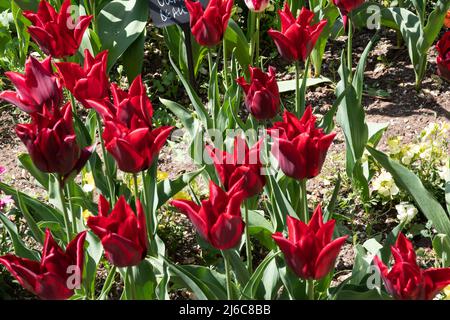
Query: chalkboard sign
column 167, row 12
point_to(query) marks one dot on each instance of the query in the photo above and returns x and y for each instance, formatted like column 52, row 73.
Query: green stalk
column 225, row 64
column 258, row 26
column 72, row 211
column 109, row 180
column 252, row 28
column 310, row 285
column 131, row 283
column 136, row 187
column 350, row 49
column 228, row 276
column 303, row 86
column 248, row 244
column 61, row 199
column 297, row 88
column 108, row 283
column 303, row 202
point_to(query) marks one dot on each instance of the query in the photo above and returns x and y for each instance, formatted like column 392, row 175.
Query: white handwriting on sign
column 174, row 13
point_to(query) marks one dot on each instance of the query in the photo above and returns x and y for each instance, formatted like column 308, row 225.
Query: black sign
column 167, row 12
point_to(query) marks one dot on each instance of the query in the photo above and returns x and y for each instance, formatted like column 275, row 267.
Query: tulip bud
column 443, row 59
column 257, row 5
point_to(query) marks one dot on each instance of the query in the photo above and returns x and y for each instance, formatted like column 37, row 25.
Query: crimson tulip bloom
column 347, row 6
column 244, row 164
column 36, row 87
column 406, row 280
column 123, row 234
column 218, row 220
column 257, row 5
column 309, row 250
column 297, row 37
column 128, row 134
column 443, row 59
column 299, row 146
column 208, row 26
column 49, row 278
column 55, row 33
column 51, row 142
column 89, row 82
column 262, row 97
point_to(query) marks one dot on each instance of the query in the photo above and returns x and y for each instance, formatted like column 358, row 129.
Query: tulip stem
column 303, row 201
column 225, row 64
column 228, row 276
column 350, row 49
column 72, row 211
column 248, row 244
column 258, row 26
column 105, row 159
column 297, row 88
column 108, row 283
column 132, row 290
column 62, row 201
column 310, row 285
column 136, row 187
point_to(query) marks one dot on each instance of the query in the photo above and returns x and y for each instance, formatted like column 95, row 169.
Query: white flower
column 385, row 185
column 444, row 173
column 406, row 212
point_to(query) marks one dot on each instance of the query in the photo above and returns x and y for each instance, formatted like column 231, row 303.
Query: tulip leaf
column 19, row 247
column 133, row 57
column 441, row 248
column 201, row 290
column 359, row 292
column 408, row 181
column 120, row 23
column 37, row 233
column 237, row 42
column 296, row 289
column 260, row 228
column 214, row 280
column 28, row 4
column 169, row 188
column 28, row 164
column 238, row 266
column 271, row 281
column 254, row 284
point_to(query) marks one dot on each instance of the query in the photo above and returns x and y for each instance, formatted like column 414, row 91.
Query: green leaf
column 236, row 40
column 238, row 266
column 28, row 4
column 120, row 23
column 408, row 181
column 37, row 233
column 19, row 247
column 133, row 57
column 168, row 188
column 28, row 164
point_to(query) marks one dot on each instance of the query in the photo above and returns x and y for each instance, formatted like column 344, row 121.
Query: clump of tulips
column 260, row 184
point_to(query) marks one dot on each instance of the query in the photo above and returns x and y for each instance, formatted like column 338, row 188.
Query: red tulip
column 218, row 220
column 443, row 59
column 299, row 146
column 36, row 87
column 406, row 280
column 51, row 142
column 128, row 134
column 51, row 278
column 89, row 82
column 309, row 250
column 297, row 37
column 208, row 26
column 257, row 5
column 347, row 6
column 56, row 33
column 243, row 163
column 262, row 97
column 123, row 234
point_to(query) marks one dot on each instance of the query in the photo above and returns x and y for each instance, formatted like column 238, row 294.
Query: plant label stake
column 165, row 13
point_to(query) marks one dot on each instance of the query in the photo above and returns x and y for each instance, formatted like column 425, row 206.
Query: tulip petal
column 226, row 232
column 120, row 251
column 327, row 257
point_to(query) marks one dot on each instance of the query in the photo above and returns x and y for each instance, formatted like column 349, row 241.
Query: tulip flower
column 262, row 97
column 208, row 26
column 406, row 280
column 56, row 33
column 347, row 6
column 36, row 87
column 218, row 220
column 309, row 250
column 244, row 164
column 128, row 133
column 299, row 146
column 257, row 5
column 123, row 233
column 55, row 276
column 297, row 37
column 443, row 59
column 89, row 82
column 51, row 142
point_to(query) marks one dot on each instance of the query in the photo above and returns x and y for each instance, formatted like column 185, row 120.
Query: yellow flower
column 88, row 182
column 160, row 176
column 86, row 214
column 182, row 195
column 447, row 292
